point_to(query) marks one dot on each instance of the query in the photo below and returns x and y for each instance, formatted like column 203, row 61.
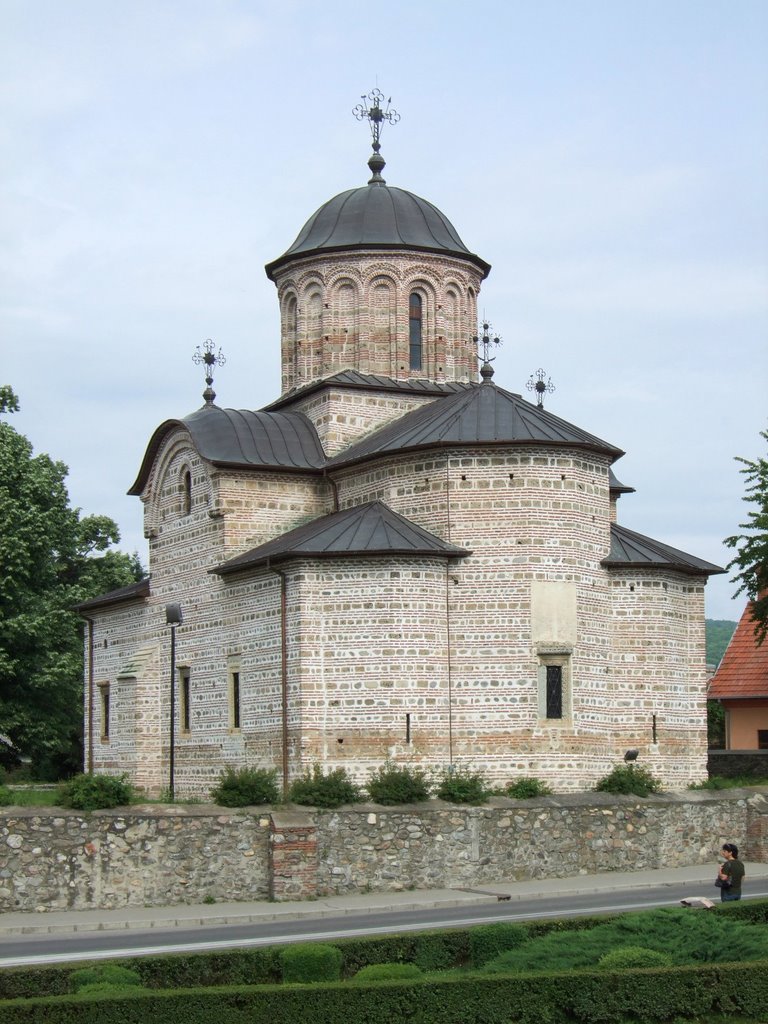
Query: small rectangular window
column 104, row 693
column 554, row 685
column 762, row 739
column 554, row 691
column 184, row 687
column 235, row 699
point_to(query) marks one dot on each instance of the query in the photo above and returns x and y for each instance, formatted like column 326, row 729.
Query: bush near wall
column 589, row 997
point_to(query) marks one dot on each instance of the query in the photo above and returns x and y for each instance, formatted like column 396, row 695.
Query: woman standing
column 732, row 870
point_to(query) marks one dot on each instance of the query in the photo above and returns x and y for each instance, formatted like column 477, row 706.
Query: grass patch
column 721, row 782
column 34, row 797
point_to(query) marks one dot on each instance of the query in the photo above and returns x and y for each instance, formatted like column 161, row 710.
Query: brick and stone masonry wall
column 51, row 859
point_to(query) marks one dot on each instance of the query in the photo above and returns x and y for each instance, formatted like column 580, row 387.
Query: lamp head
column 173, row 616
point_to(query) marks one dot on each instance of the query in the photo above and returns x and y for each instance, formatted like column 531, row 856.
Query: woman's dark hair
column 732, row 848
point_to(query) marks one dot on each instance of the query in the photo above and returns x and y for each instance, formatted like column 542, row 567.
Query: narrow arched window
column 415, row 330
column 186, row 492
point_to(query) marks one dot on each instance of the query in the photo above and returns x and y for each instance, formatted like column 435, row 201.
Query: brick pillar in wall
column 292, row 857
column 756, row 846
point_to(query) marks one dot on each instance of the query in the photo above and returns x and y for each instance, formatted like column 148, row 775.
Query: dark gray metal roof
column 630, row 550
column 354, row 380
column 371, row 529
column 132, row 592
column 482, row 414
column 376, row 216
column 616, row 486
column 239, row 438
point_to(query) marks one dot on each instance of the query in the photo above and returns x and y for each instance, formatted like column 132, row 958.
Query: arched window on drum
column 415, row 331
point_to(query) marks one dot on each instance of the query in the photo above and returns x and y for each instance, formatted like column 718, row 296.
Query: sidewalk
column 681, row 882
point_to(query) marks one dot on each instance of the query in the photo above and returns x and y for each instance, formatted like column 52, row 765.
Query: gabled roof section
column 133, row 592
column 242, row 439
column 371, row 529
column 630, row 550
column 615, row 485
column 481, row 414
column 356, row 381
column 743, row 672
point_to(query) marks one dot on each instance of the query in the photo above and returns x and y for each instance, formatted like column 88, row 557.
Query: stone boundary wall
column 51, row 859
column 55, row 859
column 731, row 764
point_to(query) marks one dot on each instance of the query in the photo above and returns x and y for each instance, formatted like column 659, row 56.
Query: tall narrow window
column 555, row 704
column 554, row 691
column 415, row 331
column 184, row 696
column 104, row 691
column 186, row 492
column 234, row 699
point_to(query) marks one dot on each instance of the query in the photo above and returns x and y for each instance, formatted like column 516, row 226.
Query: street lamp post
column 173, row 618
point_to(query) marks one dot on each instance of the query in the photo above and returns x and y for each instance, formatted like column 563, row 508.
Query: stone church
column 397, row 559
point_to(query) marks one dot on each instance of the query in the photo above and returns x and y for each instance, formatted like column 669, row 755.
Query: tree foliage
column 751, row 559
column 50, row 559
column 718, row 635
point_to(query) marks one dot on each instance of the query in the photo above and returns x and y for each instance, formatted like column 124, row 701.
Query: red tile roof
column 743, row 672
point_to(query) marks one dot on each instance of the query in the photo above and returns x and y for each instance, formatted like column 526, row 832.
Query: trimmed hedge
column 588, row 997
column 429, row 950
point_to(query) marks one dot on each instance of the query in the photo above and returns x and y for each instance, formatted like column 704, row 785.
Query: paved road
column 64, row 937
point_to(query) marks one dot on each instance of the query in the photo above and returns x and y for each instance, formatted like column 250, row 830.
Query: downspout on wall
column 283, row 674
column 89, row 754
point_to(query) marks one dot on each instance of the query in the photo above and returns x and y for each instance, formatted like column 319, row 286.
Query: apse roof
column 377, row 216
column 616, row 486
column 370, row 529
column 244, row 439
column 633, row 550
column 132, row 592
column 743, row 672
column 480, row 414
column 354, row 380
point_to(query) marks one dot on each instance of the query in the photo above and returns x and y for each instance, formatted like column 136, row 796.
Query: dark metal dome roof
column 376, row 216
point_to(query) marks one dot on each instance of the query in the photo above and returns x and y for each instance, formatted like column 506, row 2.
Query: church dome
column 377, row 216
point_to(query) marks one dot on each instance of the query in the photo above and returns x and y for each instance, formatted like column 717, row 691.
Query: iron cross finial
column 536, row 383
column 487, row 338
column 376, row 114
column 211, row 358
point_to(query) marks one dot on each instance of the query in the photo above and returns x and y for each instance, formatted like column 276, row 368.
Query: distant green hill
column 719, row 632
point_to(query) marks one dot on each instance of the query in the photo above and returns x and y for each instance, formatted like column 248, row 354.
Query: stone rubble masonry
column 53, row 859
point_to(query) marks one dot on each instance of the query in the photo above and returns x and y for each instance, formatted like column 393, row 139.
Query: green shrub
column 243, row 787
column 633, row 956
column 91, row 792
column 398, row 784
column 460, row 785
column 318, row 789
column 6, row 797
column 434, row 951
column 488, row 941
column 108, row 975
column 311, row 961
column 526, row 788
column 629, row 779
column 388, row 972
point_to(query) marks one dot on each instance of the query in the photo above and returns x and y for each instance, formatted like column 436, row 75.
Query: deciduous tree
column 752, row 546
column 50, row 559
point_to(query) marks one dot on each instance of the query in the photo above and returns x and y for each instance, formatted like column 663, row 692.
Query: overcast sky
column 609, row 158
